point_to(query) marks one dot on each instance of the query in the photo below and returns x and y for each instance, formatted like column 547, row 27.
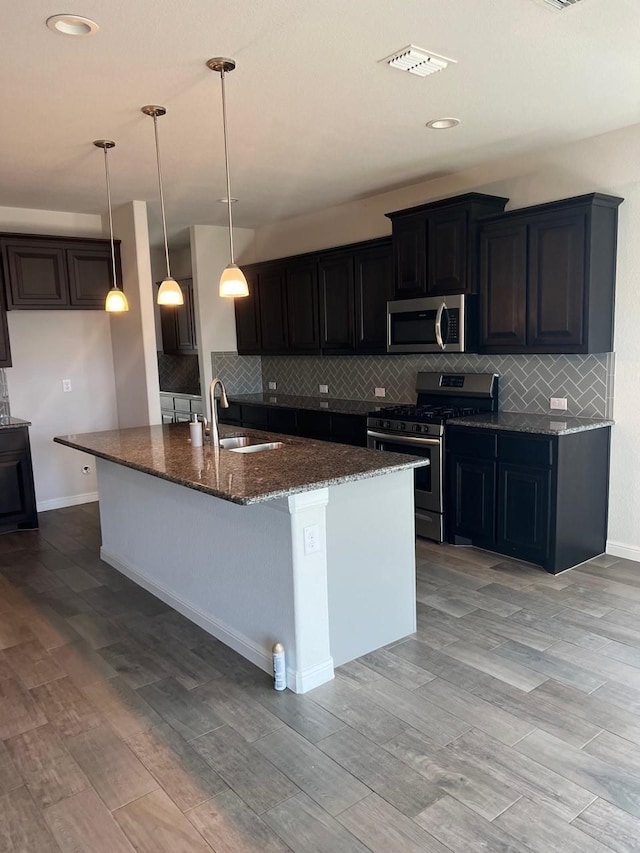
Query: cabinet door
column 447, row 253
column 273, row 310
column 335, row 274
column 373, row 286
column 17, row 497
column 5, row 349
column 314, row 424
column 36, row 275
column 409, row 253
column 186, row 320
column 247, row 310
column 90, row 275
column 524, row 503
column 503, row 285
column 472, row 495
column 302, row 307
column 556, row 302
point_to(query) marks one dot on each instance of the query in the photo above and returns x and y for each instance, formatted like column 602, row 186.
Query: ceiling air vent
column 559, row 5
column 417, row 60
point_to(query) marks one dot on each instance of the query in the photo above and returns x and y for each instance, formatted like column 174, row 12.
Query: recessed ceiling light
column 225, row 200
column 443, row 123
column 72, row 25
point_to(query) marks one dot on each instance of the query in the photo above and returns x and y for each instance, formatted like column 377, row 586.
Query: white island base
column 242, row 573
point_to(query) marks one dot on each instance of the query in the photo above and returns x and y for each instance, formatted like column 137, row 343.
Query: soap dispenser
column 195, row 431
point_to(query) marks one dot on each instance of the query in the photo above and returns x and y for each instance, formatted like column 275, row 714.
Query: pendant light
column 116, row 301
column 169, row 292
column 232, row 280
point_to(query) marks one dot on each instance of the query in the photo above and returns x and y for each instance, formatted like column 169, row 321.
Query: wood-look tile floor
column 509, row 723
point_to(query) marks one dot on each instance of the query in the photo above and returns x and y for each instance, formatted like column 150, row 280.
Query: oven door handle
column 438, row 328
column 405, row 439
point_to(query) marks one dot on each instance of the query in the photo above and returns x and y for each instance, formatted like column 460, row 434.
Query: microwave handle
column 438, row 330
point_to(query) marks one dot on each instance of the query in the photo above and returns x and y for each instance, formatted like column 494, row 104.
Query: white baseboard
column 297, row 681
column 628, row 552
column 71, row 500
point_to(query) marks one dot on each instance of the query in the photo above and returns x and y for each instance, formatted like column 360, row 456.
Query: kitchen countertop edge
column 536, row 424
column 9, row 422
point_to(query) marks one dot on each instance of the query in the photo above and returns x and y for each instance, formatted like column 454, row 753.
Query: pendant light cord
column 226, row 161
column 164, row 221
column 113, row 251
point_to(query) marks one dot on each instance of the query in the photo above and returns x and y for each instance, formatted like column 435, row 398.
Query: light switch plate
column 273, row 386
column 380, row 392
column 324, row 389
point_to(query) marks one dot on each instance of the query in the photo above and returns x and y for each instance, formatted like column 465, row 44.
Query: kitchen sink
column 234, row 441
column 257, row 448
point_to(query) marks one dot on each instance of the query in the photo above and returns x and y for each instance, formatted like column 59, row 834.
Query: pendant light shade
column 232, row 281
column 169, row 292
column 116, row 301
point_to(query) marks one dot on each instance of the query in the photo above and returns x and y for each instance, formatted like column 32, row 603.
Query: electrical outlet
column 273, row 386
column 380, row 392
column 311, row 539
column 324, row 389
column 66, row 385
column 558, row 404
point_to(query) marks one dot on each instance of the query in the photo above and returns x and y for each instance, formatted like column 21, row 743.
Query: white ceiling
column 314, row 120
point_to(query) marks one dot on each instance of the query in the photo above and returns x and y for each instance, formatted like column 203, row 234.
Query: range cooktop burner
column 420, row 413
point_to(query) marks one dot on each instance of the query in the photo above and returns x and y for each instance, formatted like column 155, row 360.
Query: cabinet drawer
column 480, row 444
column 534, row 451
column 13, row 440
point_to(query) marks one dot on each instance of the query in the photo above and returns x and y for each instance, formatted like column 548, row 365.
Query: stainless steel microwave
column 433, row 324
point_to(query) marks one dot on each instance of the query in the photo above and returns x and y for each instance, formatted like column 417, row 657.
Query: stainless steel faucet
column 224, row 403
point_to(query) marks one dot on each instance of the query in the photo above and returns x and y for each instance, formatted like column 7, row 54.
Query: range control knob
column 416, row 428
column 403, row 425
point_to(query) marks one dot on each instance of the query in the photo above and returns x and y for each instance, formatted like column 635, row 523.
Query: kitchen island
column 310, row 544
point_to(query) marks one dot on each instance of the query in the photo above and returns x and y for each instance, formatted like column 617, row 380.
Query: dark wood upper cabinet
column 337, row 303
column 447, row 256
column 36, row 274
column 548, row 277
column 5, row 349
column 249, row 341
column 178, row 323
column 435, row 245
column 503, row 284
column 302, row 307
column 90, row 271
column 373, row 273
column 57, row 272
column 273, row 309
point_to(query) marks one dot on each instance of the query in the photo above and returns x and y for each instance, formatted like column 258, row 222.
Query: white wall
column 135, row 361
column 48, row 346
column 215, row 316
column 609, row 163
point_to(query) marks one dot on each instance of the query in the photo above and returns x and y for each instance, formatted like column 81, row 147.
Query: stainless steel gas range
column 420, row 430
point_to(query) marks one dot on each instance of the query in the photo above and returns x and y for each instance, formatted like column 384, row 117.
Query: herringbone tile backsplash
column 4, row 394
column 526, row 381
column 241, row 374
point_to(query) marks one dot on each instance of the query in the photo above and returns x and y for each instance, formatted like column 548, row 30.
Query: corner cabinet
column 56, row 272
column 435, row 245
column 329, row 302
column 17, row 493
column 5, row 349
column 547, row 277
column 538, row 498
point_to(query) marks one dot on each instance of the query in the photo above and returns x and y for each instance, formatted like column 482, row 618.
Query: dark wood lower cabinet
column 17, row 493
column 343, row 428
column 538, row 498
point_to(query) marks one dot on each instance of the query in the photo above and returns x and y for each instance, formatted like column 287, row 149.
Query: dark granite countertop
column 300, row 466
column 317, row 404
column 527, row 422
column 8, row 422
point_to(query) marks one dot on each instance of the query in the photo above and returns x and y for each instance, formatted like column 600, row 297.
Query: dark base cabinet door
column 472, row 487
column 524, row 508
column 17, row 494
